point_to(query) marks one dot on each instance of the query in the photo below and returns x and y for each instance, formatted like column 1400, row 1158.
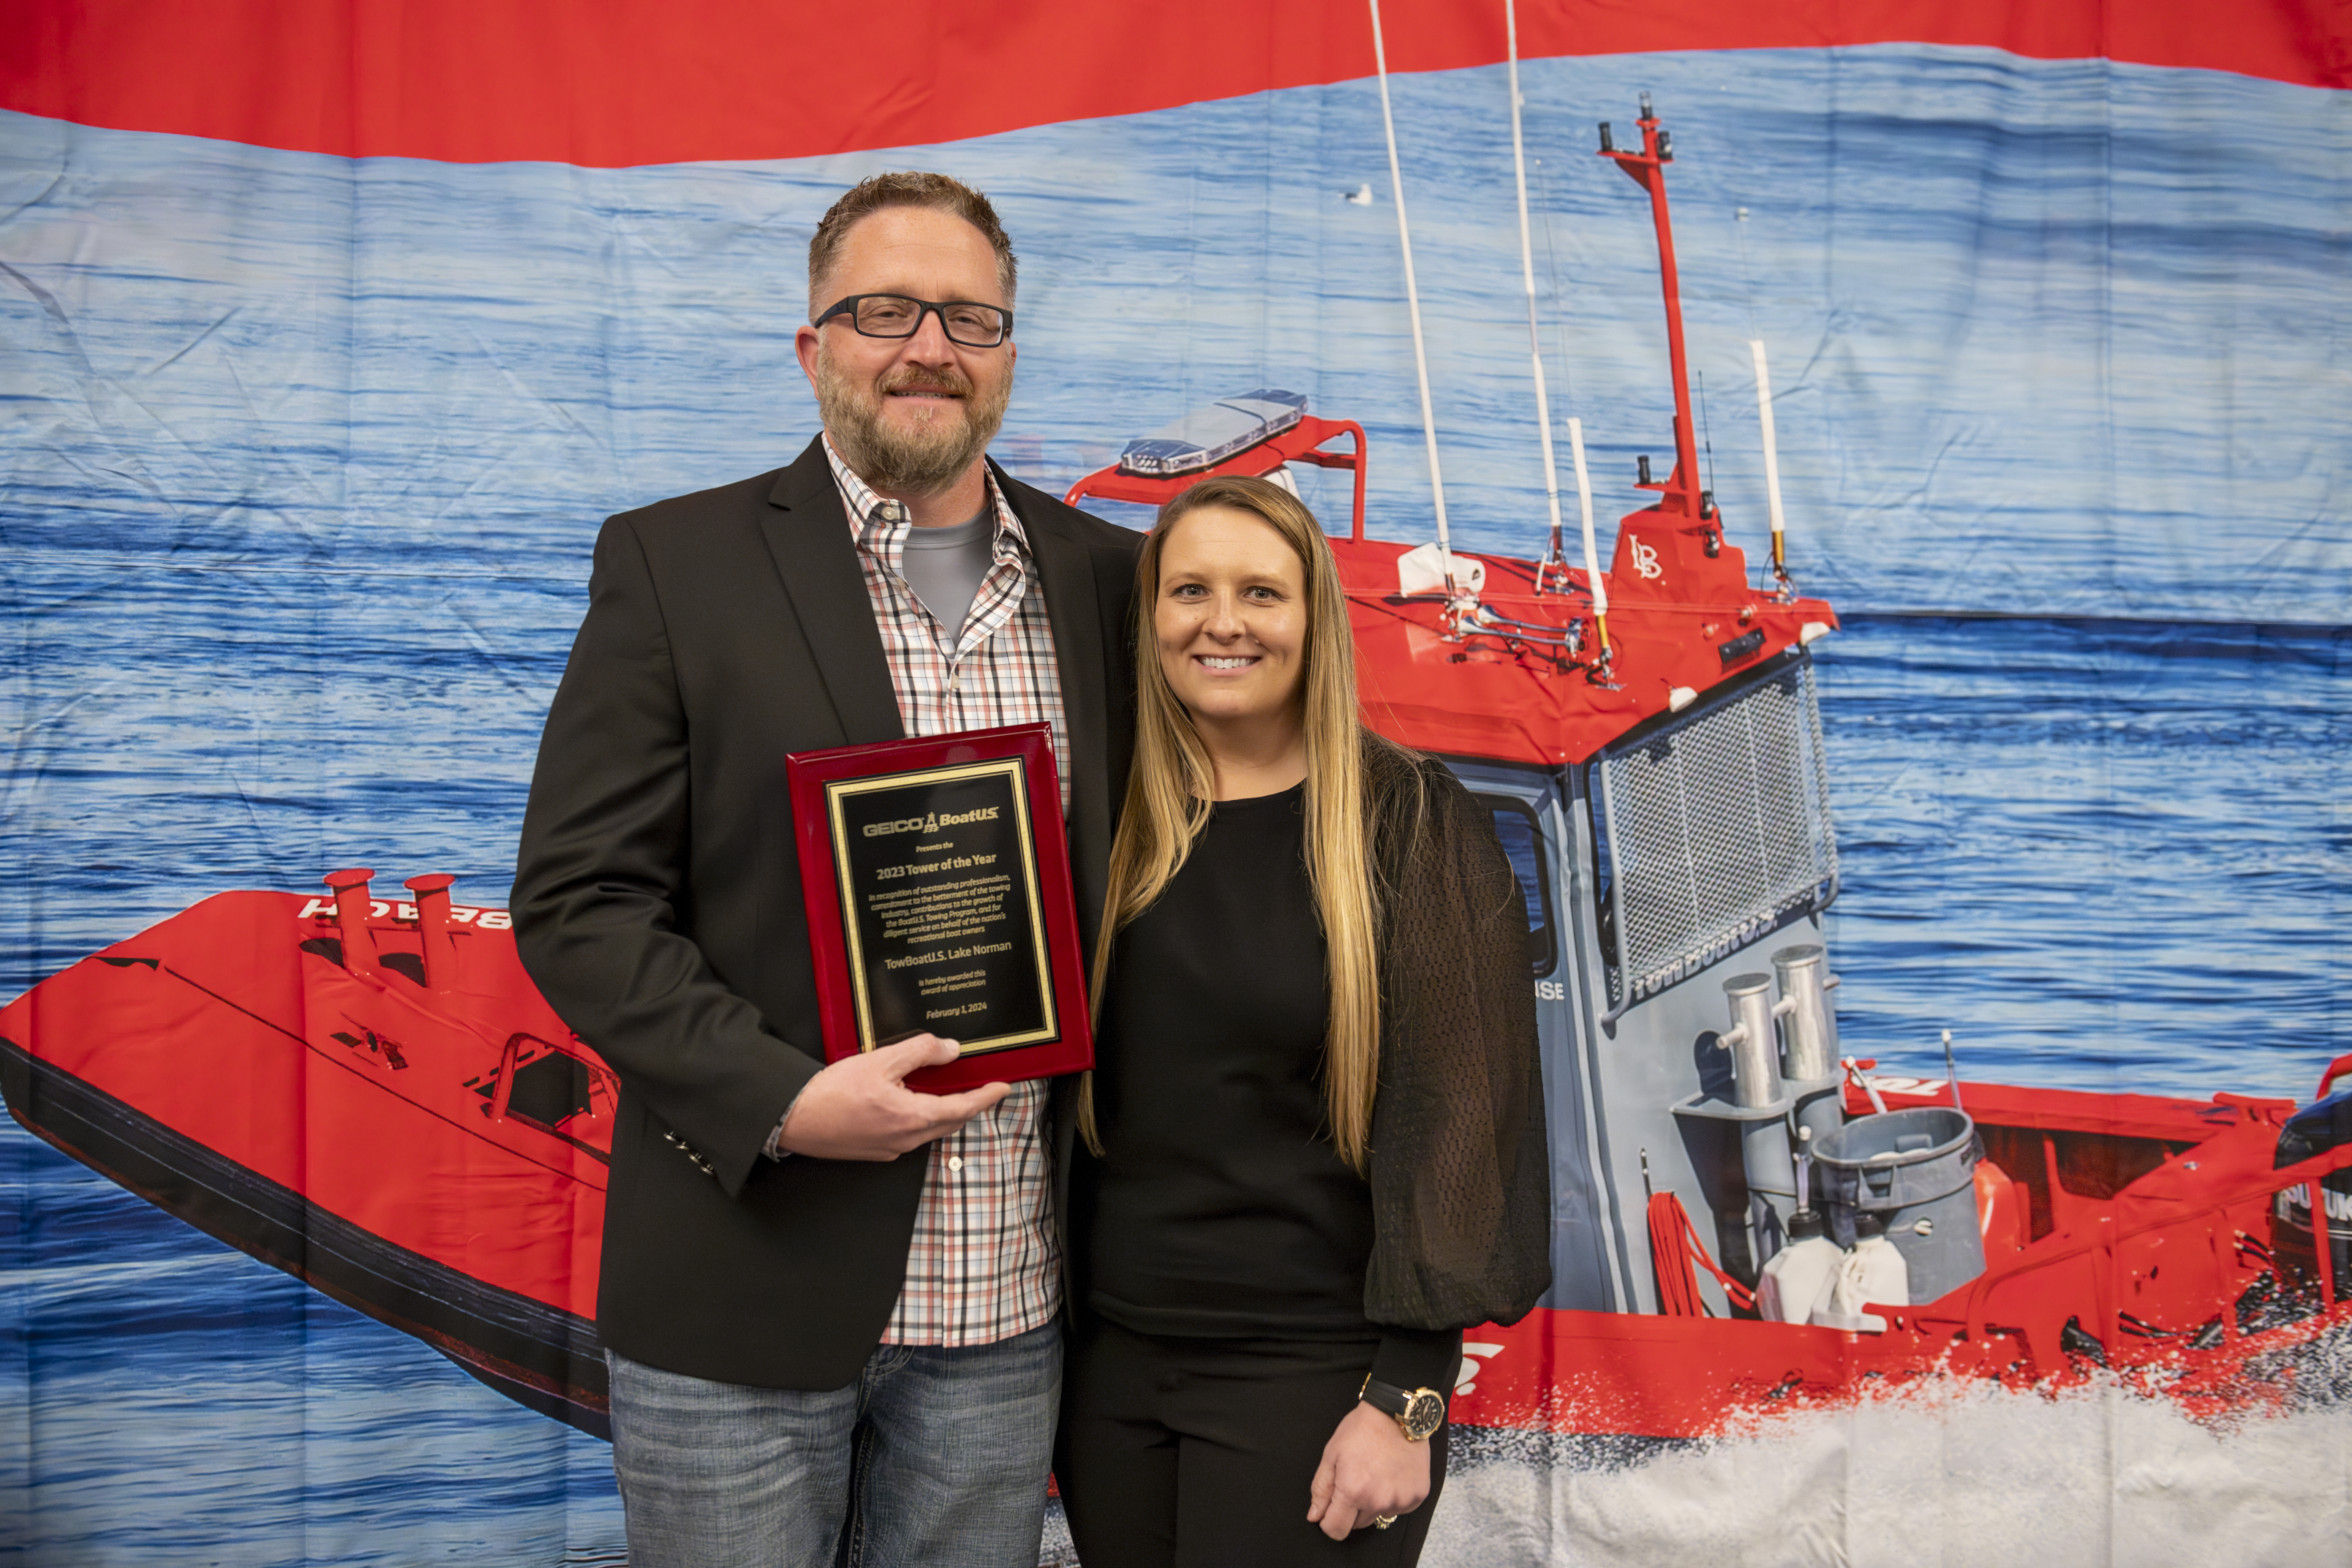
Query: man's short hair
column 911, row 188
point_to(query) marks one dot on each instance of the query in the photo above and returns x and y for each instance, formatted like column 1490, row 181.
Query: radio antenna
column 1413, row 305
column 1554, row 562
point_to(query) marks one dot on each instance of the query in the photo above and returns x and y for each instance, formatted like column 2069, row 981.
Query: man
column 828, row 1302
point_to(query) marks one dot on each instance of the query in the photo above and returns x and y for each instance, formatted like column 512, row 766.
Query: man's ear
column 804, row 349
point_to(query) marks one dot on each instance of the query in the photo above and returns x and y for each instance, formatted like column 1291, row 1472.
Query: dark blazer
column 658, row 899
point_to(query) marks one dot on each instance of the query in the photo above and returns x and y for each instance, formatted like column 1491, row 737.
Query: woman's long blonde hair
column 1171, row 787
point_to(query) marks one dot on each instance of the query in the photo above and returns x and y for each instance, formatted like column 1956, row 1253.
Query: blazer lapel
column 1066, row 568
column 808, row 535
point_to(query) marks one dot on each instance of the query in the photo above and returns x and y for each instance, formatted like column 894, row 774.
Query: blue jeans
column 932, row 1459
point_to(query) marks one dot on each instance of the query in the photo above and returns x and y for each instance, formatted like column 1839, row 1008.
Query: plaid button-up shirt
column 982, row 1265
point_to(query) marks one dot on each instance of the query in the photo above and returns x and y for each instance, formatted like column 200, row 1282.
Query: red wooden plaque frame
column 807, row 776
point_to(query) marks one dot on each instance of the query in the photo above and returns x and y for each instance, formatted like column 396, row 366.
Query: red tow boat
column 1652, row 755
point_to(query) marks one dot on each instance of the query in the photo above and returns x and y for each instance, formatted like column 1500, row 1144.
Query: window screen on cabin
column 1712, row 831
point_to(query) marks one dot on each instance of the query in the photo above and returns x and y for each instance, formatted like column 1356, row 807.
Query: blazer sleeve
column 1460, row 1168
column 601, row 874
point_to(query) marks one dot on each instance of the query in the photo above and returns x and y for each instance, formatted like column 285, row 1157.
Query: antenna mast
column 1554, row 563
column 1771, row 466
column 1681, row 492
column 1412, row 304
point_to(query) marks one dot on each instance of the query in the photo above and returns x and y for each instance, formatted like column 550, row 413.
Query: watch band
column 1417, row 1412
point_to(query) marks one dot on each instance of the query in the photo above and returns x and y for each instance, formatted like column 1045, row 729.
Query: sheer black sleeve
column 1460, row 1170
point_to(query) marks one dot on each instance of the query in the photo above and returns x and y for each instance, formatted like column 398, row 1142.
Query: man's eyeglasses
column 965, row 322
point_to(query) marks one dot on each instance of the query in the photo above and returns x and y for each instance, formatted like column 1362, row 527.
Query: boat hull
column 227, row 1066
column 540, row 1357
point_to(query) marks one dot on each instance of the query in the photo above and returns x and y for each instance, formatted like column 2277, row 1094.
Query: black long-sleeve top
column 1220, row 1207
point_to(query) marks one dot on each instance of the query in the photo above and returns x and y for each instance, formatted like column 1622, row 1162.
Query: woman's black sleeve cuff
column 1419, row 1357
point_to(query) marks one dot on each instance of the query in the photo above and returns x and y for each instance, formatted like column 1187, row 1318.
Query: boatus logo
column 2294, row 1204
column 932, row 823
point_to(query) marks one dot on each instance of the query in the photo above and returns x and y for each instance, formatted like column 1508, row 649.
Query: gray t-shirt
column 945, row 567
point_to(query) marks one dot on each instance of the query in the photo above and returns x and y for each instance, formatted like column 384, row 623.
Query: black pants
column 1178, row 1453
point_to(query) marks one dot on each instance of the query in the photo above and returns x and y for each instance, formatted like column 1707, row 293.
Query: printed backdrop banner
column 333, row 331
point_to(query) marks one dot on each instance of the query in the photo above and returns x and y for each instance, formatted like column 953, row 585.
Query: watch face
column 1424, row 1412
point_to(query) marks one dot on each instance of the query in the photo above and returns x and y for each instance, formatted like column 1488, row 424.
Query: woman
column 1314, row 1136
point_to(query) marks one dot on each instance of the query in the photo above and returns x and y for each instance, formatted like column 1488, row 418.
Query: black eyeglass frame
column 847, row 306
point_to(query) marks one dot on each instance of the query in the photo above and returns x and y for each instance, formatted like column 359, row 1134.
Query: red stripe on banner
column 615, row 82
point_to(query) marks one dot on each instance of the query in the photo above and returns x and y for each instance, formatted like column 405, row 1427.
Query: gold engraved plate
column 941, row 906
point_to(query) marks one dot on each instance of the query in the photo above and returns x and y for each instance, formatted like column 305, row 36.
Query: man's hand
column 1368, row 1471
column 860, row 1108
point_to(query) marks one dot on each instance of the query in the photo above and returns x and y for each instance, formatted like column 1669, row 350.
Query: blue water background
column 303, row 458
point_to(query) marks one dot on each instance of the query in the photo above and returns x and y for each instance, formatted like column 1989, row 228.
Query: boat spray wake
column 2099, row 1476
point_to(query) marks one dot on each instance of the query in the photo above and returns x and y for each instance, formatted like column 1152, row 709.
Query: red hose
column 1675, row 1246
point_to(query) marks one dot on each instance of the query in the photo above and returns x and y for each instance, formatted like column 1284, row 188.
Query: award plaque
column 938, row 884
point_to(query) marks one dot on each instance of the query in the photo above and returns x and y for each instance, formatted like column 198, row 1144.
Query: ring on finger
column 1383, row 1520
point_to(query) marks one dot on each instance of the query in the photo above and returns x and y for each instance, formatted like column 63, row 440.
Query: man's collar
column 861, row 500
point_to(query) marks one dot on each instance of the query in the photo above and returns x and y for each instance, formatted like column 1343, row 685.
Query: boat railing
column 2340, row 1067
column 2109, row 1231
column 601, row 1079
column 1300, row 443
column 437, row 1002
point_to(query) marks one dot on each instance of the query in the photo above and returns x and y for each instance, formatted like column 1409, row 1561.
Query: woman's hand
column 1368, row 1471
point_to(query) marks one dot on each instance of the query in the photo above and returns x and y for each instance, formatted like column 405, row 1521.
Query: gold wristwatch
column 1418, row 1412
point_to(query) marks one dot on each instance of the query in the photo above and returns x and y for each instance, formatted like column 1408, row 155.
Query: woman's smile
column 1230, row 618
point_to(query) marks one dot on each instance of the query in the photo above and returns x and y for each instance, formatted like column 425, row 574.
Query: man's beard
column 930, row 456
